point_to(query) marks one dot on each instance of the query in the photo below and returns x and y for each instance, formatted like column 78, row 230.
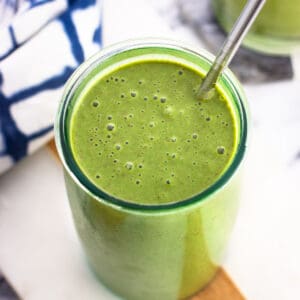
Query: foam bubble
column 129, row 165
column 168, row 111
column 95, row 103
column 220, row 149
column 110, row 126
column 163, row 100
column 118, row 147
column 195, row 135
column 133, row 94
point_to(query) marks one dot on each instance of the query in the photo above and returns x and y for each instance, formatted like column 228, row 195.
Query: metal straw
column 230, row 46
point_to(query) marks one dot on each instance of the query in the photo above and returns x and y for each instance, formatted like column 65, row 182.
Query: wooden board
column 221, row 287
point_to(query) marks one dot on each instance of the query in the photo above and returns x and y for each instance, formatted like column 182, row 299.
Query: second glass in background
column 276, row 30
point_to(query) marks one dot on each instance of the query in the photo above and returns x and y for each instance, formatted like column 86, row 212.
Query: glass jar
column 275, row 31
column 140, row 251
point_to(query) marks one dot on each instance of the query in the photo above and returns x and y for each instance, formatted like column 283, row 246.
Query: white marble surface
column 39, row 250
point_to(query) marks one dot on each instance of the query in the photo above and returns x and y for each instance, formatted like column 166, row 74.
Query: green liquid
column 140, row 134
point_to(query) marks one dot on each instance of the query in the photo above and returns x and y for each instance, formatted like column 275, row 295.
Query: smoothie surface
column 140, row 134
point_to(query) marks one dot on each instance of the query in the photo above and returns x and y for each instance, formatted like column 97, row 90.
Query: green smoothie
column 140, row 134
column 150, row 170
column 276, row 29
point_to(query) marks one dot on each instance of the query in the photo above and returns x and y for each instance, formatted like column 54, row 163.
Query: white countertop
column 39, row 251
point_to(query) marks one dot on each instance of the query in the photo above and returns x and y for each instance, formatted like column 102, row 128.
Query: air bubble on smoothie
column 126, row 142
column 163, row 100
column 140, row 81
column 95, row 103
column 208, row 119
column 118, row 147
column 107, row 80
column 108, row 136
column 130, row 115
column 138, row 181
column 129, row 165
column 220, row 149
column 168, row 181
column 122, row 79
column 168, row 111
column 98, row 176
column 173, row 155
column 188, row 140
column 96, row 145
column 109, row 117
column 180, row 72
column 151, row 124
column 115, row 161
column 133, row 94
column 110, row 126
column 146, row 98
column 195, row 136
column 172, row 175
column 173, row 139
column 122, row 95
column 140, row 166
column 155, row 97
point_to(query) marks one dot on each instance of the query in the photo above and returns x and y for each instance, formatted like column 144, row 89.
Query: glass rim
column 65, row 153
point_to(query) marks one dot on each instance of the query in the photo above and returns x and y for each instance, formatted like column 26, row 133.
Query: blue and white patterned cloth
column 41, row 44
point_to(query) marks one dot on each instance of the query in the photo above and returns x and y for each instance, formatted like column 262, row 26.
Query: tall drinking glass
column 152, row 251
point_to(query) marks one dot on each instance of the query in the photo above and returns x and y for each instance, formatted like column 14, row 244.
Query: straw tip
column 206, row 94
